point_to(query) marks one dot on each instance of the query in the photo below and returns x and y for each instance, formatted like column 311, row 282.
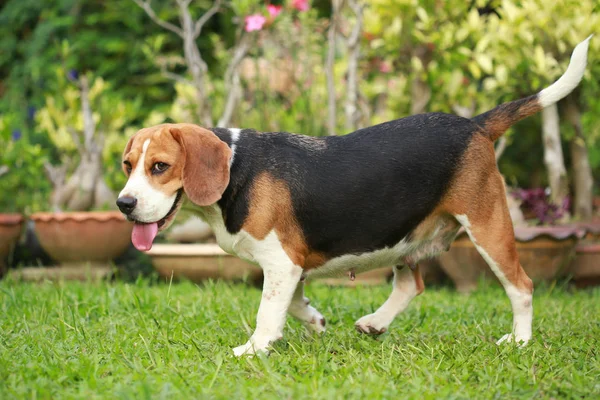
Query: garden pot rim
column 186, row 250
column 592, row 226
column 587, row 248
column 11, row 218
column 554, row 232
column 77, row 216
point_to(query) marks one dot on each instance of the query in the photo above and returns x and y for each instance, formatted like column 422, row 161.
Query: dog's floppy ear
column 206, row 163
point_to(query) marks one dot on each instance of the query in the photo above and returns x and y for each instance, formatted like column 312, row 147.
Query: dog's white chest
column 240, row 244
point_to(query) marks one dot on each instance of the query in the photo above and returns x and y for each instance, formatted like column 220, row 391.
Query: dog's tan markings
column 134, row 148
column 418, row 280
column 131, row 154
column 478, row 192
column 164, row 148
column 438, row 223
column 271, row 209
column 505, row 115
column 314, row 260
column 434, row 234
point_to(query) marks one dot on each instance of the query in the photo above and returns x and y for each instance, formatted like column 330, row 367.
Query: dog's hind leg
column 490, row 229
column 301, row 309
column 407, row 284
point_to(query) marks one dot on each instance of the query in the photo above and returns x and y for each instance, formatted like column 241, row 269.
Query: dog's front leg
column 281, row 277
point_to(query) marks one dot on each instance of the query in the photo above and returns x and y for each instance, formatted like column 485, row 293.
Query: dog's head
column 163, row 163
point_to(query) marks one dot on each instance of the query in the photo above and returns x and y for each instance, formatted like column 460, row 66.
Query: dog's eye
column 127, row 167
column 159, row 168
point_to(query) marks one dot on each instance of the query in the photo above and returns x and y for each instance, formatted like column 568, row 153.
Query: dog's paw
column 316, row 324
column 372, row 324
column 250, row 349
column 256, row 344
column 510, row 338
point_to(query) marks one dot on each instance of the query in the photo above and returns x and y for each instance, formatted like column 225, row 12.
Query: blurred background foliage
column 416, row 56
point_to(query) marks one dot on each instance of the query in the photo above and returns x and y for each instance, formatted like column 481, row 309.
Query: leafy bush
column 23, row 187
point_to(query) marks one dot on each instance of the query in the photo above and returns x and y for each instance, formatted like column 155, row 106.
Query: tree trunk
column 83, row 181
column 329, row 68
column 553, row 155
column 420, row 95
column 420, row 91
column 233, row 85
column 196, row 65
column 351, row 106
column 104, row 197
column 583, row 180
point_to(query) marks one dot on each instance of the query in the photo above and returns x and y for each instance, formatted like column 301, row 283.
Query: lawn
column 141, row 340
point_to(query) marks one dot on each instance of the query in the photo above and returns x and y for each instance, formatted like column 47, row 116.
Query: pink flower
column 254, row 22
column 385, row 67
column 300, row 5
column 274, row 10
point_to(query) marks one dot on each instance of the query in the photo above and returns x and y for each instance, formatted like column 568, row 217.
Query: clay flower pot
column 585, row 268
column 11, row 226
column 545, row 252
column 83, row 238
column 198, row 262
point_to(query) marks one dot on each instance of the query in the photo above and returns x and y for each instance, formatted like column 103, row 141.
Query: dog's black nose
column 126, row 204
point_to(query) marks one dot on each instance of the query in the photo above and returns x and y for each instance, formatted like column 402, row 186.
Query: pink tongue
column 143, row 235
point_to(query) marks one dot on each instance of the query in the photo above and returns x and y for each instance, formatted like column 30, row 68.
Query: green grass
column 80, row 340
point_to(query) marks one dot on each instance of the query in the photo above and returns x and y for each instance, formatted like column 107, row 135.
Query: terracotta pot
column 11, row 226
column 463, row 264
column 198, row 262
column 596, row 202
column 544, row 252
column 586, row 265
column 585, row 268
column 83, row 237
column 592, row 229
column 431, row 271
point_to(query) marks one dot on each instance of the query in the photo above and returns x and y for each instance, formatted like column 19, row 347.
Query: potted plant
column 82, row 229
column 20, row 159
column 10, row 229
column 11, row 226
column 585, row 268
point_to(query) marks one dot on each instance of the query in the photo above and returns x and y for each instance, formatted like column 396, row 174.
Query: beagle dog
column 299, row 206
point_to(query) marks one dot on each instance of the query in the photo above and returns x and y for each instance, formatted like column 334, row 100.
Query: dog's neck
column 237, row 174
column 233, row 198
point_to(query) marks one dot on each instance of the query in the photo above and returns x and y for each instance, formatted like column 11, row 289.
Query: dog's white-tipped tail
column 570, row 79
column 497, row 120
